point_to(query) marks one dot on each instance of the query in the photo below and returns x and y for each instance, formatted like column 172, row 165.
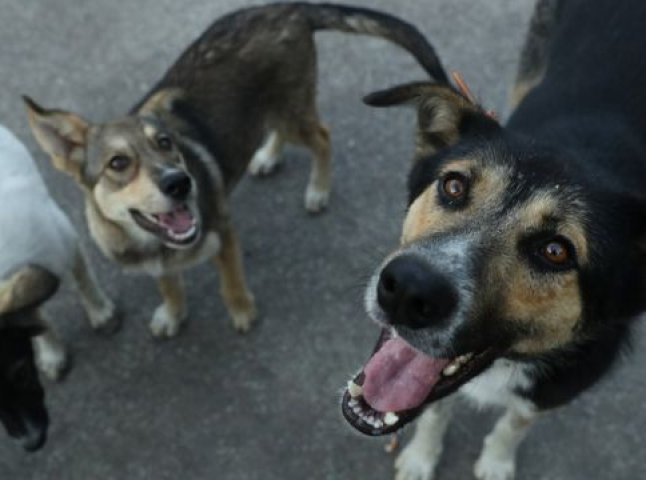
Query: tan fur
column 140, row 192
column 440, row 110
column 160, row 101
column 233, row 286
column 520, row 90
column 62, row 135
column 171, row 288
column 27, row 287
column 425, row 216
column 546, row 307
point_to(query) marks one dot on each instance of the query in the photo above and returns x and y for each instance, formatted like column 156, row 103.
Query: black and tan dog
column 156, row 181
column 522, row 262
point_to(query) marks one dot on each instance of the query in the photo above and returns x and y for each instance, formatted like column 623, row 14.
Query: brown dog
column 156, row 181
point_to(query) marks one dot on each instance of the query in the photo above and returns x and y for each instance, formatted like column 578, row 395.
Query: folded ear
column 27, row 287
column 443, row 114
column 62, row 135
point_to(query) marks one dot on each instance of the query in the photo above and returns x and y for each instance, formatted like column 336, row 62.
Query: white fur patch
column 266, row 157
column 165, row 323
column 497, row 386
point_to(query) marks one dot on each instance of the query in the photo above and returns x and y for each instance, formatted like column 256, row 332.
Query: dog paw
column 243, row 319
column 263, row 164
column 316, row 200
column 104, row 319
column 490, row 467
column 165, row 324
column 415, row 464
column 52, row 361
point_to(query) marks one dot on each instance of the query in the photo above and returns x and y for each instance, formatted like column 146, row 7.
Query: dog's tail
column 326, row 16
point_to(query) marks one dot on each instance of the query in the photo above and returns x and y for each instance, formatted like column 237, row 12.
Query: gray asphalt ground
column 212, row 404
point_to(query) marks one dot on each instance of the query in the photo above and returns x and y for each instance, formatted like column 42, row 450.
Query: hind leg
column 316, row 137
column 267, row 157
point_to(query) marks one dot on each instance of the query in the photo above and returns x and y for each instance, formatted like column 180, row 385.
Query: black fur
column 22, row 398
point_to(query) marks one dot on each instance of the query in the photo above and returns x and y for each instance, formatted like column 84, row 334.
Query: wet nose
column 413, row 294
column 176, row 184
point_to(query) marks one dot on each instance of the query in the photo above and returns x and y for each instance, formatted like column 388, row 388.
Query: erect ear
column 27, row 287
column 62, row 135
column 443, row 114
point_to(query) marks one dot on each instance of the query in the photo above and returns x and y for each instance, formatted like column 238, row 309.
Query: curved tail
column 327, row 16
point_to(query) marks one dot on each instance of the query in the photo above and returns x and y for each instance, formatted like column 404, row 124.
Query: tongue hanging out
column 180, row 220
column 399, row 377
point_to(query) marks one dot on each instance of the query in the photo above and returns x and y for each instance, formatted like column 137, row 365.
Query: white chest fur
column 497, row 386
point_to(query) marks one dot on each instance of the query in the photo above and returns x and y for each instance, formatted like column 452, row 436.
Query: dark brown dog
column 156, row 181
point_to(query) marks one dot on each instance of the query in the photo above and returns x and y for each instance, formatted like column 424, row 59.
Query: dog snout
column 413, row 294
column 176, row 184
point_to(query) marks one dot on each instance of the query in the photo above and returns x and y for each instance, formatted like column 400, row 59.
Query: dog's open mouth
column 177, row 227
column 398, row 381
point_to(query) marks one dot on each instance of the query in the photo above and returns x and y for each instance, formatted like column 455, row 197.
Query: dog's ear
column 26, row 288
column 443, row 114
column 61, row 134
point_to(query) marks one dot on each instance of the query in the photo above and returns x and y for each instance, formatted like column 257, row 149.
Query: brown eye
column 119, row 163
column 164, row 142
column 556, row 252
column 454, row 187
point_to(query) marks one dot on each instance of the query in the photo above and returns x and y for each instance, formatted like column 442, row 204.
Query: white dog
column 34, row 231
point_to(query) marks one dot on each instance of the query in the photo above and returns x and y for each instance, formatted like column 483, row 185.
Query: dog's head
column 507, row 249
column 132, row 168
column 22, row 399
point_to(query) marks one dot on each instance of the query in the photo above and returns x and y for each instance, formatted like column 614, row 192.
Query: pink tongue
column 179, row 220
column 399, row 377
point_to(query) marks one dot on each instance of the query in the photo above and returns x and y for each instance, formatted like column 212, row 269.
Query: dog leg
column 317, row 194
column 100, row 310
column 233, row 287
column 420, row 457
column 267, row 157
column 50, row 355
column 170, row 315
column 497, row 460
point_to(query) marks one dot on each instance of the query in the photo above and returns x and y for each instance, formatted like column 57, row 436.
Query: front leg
column 50, row 355
column 420, row 457
column 233, row 287
column 498, row 458
column 101, row 312
column 170, row 315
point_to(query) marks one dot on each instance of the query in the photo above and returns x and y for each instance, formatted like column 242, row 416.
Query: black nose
column 176, row 184
column 413, row 294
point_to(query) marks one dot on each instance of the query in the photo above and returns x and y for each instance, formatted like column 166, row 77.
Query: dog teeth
column 462, row 359
column 451, row 368
column 391, row 419
column 354, row 390
column 182, row 236
column 456, row 364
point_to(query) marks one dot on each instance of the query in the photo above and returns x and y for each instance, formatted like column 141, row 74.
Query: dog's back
column 34, row 229
column 591, row 96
